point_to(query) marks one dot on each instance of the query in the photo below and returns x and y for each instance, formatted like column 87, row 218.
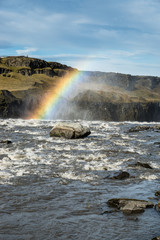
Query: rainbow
column 51, row 101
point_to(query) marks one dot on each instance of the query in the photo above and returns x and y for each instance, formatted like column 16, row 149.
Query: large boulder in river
column 130, row 206
column 69, row 130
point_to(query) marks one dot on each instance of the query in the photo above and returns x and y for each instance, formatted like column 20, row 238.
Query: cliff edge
column 102, row 96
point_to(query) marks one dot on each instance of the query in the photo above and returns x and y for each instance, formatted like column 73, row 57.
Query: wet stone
column 6, row 141
column 144, row 128
column 130, row 206
column 121, row 176
column 156, row 238
column 70, row 130
column 139, row 164
column 157, row 206
column 110, row 211
column 157, row 193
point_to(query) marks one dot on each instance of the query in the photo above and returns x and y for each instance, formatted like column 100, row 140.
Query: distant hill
column 23, row 73
column 115, row 96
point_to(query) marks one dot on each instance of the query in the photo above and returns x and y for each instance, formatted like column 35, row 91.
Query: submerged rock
column 157, row 193
column 6, row 141
column 130, row 206
column 144, row 128
column 156, row 238
column 139, row 164
column 69, row 130
column 157, row 206
column 121, row 176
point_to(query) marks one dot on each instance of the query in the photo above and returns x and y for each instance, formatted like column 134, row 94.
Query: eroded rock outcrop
column 108, row 110
column 4, row 70
column 31, row 66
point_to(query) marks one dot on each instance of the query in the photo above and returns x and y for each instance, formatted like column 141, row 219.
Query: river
column 58, row 189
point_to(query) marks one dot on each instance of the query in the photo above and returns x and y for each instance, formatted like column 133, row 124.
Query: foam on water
column 149, row 177
column 108, row 147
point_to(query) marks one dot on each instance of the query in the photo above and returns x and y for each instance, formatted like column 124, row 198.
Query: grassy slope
column 15, row 82
column 19, row 84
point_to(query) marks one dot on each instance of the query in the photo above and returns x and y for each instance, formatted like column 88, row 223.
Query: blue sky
column 102, row 35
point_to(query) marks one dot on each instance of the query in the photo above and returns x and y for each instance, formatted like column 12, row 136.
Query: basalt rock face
column 98, row 108
column 33, row 63
column 29, row 66
column 25, row 62
column 126, row 81
column 10, row 106
column 4, row 70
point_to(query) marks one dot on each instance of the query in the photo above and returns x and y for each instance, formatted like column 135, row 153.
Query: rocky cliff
column 115, row 111
column 10, row 106
column 102, row 96
column 29, row 66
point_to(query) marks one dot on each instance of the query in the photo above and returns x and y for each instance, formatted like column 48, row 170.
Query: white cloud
column 144, row 14
column 78, row 56
column 26, row 51
column 112, row 35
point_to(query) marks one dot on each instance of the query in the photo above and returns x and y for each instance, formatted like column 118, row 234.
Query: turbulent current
column 57, row 189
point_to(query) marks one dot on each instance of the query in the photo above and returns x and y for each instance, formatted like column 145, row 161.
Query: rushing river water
column 58, row 189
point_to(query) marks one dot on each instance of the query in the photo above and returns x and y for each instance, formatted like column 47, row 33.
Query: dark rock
column 56, row 65
column 156, row 238
column 70, row 130
column 4, row 71
column 139, row 128
column 47, row 71
column 157, row 143
column 144, row 128
column 157, row 193
column 31, row 66
column 60, row 72
column 33, row 63
column 139, row 164
column 22, row 61
column 25, row 71
column 6, row 141
column 10, row 106
column 132, row 219
column 110, row 211
column 130, row 206
column 109, row 110
column 121, row 176
column 157, row 206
